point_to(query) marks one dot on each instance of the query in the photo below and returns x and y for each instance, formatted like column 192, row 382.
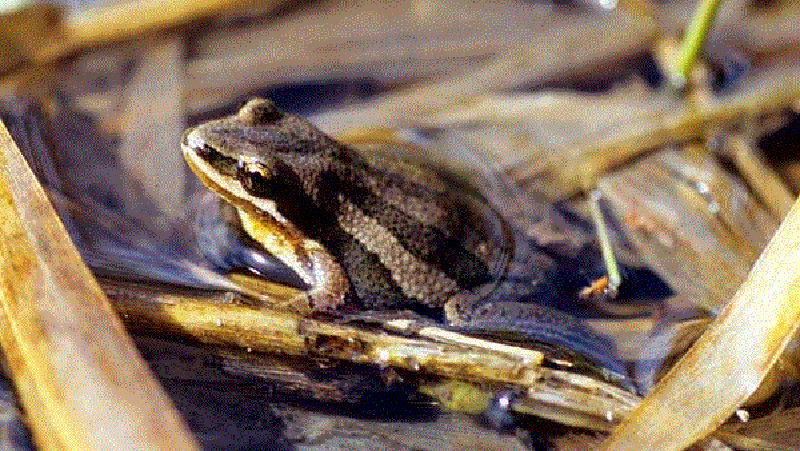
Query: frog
column 380, row 233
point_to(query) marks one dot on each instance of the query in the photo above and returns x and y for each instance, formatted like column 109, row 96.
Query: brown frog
column 353, row 225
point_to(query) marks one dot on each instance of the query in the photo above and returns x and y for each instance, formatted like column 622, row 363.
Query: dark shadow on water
column 230, row 410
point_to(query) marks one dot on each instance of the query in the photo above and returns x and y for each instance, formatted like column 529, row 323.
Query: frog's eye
column 260, row 112
column 255, row 178
column 258, row 184
column 263, row 167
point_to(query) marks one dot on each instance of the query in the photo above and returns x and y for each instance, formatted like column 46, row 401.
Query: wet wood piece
column 765, row 182
column 77, row 373
column 25, row 31
column 131, row 19
column 760, row 28
column 769, row 89
column 557, row 394
column 314, row 431
column 486, row 46
column 531, row 136
column 778, row 430
column 697, row 224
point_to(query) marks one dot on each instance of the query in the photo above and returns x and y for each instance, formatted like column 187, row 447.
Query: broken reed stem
column 730, row 360
column 77, row 373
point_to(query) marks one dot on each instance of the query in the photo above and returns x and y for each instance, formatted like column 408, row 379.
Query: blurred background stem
column 694, row 40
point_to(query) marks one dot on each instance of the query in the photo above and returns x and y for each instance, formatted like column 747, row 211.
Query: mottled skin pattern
column 398, row 235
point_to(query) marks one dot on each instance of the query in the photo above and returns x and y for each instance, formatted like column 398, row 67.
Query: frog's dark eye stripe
column 224, row 165
column 255, row 183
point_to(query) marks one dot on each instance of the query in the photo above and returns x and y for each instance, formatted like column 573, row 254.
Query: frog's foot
column 318, row 269
column 459, row 308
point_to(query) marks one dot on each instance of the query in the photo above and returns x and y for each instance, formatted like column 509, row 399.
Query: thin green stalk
column 606, row 249
column 694, row 40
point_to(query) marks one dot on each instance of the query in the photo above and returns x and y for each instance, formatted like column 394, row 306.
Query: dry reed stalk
column 77, row 372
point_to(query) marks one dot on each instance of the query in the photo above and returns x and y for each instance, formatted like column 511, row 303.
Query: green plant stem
column 694, row 40
column 606, row 249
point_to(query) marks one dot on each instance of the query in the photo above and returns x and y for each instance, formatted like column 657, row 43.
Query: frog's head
column 259, row 130
column 254, row 156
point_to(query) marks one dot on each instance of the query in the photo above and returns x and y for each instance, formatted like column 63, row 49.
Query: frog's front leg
column 326, row 279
